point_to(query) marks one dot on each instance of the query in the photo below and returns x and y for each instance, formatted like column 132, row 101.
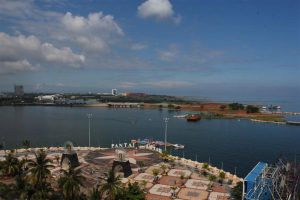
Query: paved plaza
column 193, row 194
column 197, row 184
column 179, row 172
column 175, row 179
column 218, row 196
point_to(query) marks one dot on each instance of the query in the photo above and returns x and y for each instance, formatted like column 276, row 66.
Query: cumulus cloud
column 7, row 67
column 159, row 10
column 17, row 8
column 17, row 52
column 94, row 32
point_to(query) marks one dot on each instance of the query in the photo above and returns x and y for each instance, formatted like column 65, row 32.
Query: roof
column 256, row 171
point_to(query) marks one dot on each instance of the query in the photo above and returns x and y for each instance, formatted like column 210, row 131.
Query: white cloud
column 157, row 84
column 127, row 85
column 169, row 84
column 7, row 67
column 159, row 10
column 95, row 32
column 138, row 46
column 168, row 55
column 17, row 8
column 18, row 51
column 63, row 55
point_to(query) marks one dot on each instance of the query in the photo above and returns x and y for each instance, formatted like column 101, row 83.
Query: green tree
column 39, row 170
column 155, row 172
column 26, row 144
column 112, row 185
column 165, row 155
column 132, row 192
column 252, row 109
column 212, row 178
column 95, row 194
column 222, row 175
column 10, row 165
column 222, row 107
column 70, row 183
column 141, row 164
column 236, row 106
column 205, row 166
column 237, row 192
column 163, row 168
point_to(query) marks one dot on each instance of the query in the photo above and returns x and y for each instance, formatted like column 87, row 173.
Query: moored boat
column 180, row 116
column 193, row 118
column 178, row 146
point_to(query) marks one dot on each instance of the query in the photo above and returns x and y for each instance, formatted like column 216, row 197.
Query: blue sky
column 195, row 47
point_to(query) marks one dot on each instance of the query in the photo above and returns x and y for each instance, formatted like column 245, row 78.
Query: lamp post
column 235, row 171
column 89, row 117
column 166, row 130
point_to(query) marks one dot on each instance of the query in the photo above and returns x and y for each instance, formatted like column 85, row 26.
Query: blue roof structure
column 256, row 171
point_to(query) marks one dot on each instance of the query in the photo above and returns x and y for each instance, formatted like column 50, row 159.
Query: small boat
column 144, row 142
column 180, row 116
column 178, row 146
column 193, row 118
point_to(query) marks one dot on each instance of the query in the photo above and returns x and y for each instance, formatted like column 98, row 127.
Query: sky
column 247, row 48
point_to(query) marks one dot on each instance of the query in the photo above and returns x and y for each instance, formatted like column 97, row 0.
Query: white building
column 48, row 98
column 114, row 92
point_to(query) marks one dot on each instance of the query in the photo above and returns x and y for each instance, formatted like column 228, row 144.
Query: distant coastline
column 208, row 110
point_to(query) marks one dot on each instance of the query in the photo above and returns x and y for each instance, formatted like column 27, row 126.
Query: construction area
column 279, row 181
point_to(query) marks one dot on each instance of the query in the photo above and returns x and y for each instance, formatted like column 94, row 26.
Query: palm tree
column 112, row 185
column 10, row 165
column 141, row 164
column 70, row 183
column 26, row 144
column 155, row 172
column 95, row 194
column 165, row 155
column 163, row 167
column 39, row 169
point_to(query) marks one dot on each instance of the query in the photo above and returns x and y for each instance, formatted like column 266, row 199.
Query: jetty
column 288, row 113
column 296, row 123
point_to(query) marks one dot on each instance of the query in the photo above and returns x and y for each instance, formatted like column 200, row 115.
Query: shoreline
column 210, row 110
column 55, row 150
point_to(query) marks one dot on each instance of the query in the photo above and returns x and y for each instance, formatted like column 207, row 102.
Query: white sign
column 122, row 145
column 154, row 148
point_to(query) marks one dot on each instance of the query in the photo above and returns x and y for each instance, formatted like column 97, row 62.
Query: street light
column 166, row 130
column 89, row 116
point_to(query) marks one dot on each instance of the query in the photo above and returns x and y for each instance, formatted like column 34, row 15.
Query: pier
column 288, row 113
column 295, row 123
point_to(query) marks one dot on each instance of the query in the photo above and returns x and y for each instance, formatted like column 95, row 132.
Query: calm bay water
column 236, row 143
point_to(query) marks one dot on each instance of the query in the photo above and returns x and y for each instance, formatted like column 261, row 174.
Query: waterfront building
column 19, row 90
column 49, row 98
